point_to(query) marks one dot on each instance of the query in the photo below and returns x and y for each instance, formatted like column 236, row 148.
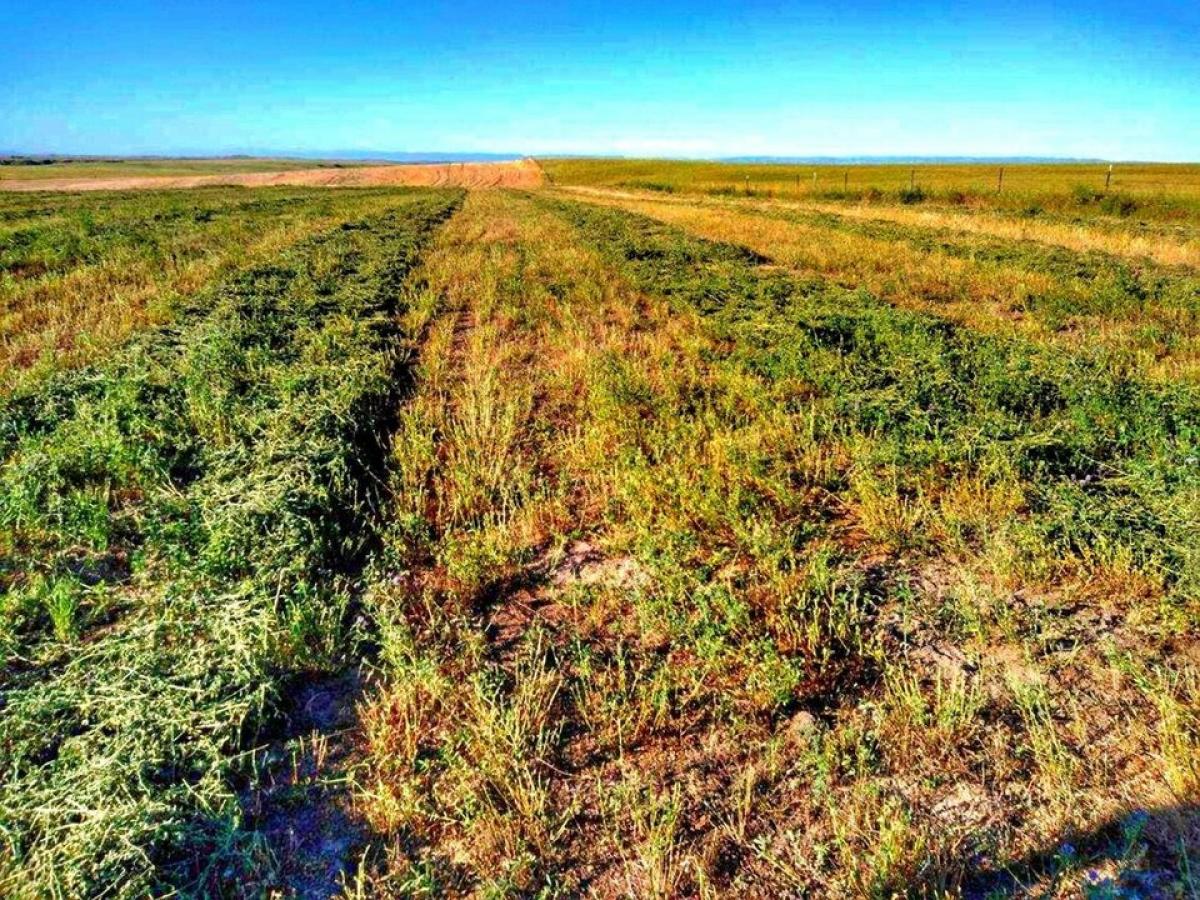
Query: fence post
column 1000, row 180
column 747, row 185
column 1108, row 177
column 846, row 181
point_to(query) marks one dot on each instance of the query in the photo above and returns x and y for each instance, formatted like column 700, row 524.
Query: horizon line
column 402, row 156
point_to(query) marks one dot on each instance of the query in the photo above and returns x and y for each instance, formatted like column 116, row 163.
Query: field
column 35, row 167
column 210, row 174
column 1167, row 190
column 634, row 532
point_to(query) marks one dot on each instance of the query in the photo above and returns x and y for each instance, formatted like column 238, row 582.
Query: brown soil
column 303, row 808
column 523, row 173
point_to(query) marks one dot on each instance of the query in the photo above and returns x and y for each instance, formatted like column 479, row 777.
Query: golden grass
column 538, row 727
column 1139, row 179
column 984, row 295
column 1120, row 241
column 483, row 482
column 61, row 321
column 1117, row 237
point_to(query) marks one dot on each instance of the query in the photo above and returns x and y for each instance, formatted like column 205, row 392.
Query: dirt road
column 523, row 173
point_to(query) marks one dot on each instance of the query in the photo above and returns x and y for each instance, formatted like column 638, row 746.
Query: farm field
column 516, row 174
column 1170, row 190
column 15, row 168
column 622, row 531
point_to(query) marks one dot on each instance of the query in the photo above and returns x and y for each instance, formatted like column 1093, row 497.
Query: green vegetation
column 50, row 236
column 1129, row 311
column 630, row 537
column 927, row 394
column 732, row 582
column 80, row 273
column 180, row 526
column 1152, row 191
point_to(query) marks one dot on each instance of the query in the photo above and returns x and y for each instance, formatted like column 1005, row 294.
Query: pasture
column 631, row 530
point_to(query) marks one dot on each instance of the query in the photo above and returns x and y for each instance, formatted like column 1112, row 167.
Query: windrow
column 1126, row 311
column 180, row 530
column 78, row 278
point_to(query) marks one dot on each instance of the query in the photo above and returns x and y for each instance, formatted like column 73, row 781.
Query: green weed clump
column 661, row 187
column 180, row 527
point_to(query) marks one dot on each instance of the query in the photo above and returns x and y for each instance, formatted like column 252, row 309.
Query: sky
column 1106, row 79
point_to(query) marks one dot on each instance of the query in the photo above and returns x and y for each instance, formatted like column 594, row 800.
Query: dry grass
column 61, row 320
column 696, row 574
column 1003, row 298
column 650, row 629
column 1083, row 233
column 1080, row 236
column 1021, row 178
column 523, row 173
column 1157, row 192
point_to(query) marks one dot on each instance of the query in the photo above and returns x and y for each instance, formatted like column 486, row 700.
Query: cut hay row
column 180, row 528
column 1130, row 312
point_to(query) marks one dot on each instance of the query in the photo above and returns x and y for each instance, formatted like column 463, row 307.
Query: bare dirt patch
column 524, row 173
column 303, row 808
column 537, row 597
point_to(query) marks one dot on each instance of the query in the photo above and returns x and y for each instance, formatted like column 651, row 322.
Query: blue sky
column 1102, row 79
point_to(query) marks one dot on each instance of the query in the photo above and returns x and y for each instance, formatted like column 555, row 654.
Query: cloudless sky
column 1107, row 78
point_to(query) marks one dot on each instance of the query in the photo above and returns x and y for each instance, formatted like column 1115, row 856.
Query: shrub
column 1118, row 205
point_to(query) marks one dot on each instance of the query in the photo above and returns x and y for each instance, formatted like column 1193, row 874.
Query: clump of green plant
column 661, row 187
column 1119, row 205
